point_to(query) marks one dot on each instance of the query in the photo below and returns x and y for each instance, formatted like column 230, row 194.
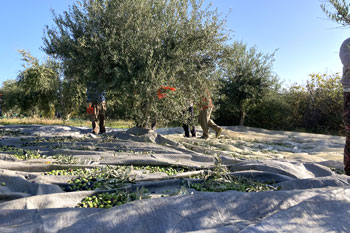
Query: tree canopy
column 153, row 58
column 38, row 85
column 132, row 48
column 246, row 77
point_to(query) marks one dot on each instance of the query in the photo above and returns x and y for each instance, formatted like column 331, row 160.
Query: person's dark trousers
column 187, row 130
column 346, row 119
column 186, row 127
column 153, row 125
column 193, row 131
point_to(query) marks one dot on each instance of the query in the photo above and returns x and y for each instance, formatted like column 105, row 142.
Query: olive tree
column 325, row 103
column 10, row 92
column 134, row 47
column 39, row 86
column 246, row 77
column 72, row 98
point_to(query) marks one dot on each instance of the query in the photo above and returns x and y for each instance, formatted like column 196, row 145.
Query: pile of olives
column 108, row 200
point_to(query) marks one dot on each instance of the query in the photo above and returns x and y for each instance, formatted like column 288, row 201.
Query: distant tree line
column 315, row 107
column 132, row 48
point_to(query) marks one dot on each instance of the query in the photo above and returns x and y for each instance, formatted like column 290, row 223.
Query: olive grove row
column 132, row 48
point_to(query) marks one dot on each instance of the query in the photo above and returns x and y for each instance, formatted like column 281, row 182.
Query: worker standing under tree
column 96, row 98
column 206, row 107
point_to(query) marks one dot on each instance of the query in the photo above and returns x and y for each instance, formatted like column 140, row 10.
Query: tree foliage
column 11, row 92
column 296, row 98
column 316, row 107
column 339, row 13
column 273, row 112
column 38, row 85
column 246, row 77
column 132, row 48
column 325, row 103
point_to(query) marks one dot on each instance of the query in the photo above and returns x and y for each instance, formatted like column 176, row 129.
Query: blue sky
column 306, row 41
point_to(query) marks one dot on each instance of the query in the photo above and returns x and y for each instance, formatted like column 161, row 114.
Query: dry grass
column 73, row 122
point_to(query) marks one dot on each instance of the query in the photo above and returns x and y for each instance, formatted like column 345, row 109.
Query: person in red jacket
column 96, row 100
column 206, row 107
